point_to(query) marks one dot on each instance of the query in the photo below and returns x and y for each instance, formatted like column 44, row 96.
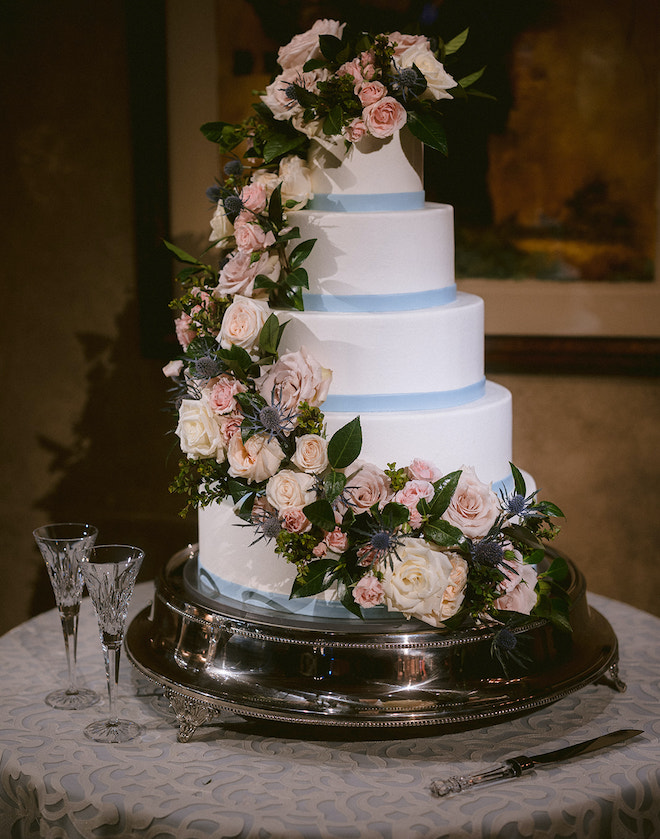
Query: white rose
column 426, row 583
column 242, row 323
column 305, row 45
column 173, row 369
column 437, row 78
column 199, row 431
column 290, row 490
column 474, row 507
column 296, row 181
column 221, row 227
column 311, row 453
column 256, row 459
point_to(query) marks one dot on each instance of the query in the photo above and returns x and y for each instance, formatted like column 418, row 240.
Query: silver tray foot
column 190, row 714
column 612, row 679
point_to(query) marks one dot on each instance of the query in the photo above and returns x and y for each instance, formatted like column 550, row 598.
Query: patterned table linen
column 236, row 779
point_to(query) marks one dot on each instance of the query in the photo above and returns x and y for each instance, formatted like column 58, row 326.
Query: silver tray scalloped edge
column 213, row 656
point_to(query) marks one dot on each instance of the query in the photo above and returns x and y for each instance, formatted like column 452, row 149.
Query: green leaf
column 466, row 81
column 289, row 233
column 329, row 46
column 456, row 43
column 348, row 602
column 270, row 335
column 428, row 128
column 395, row 514
column 320, row 513
column 226, row 135
column 237, row 360
column 558, row 570
column 345, row 444
column 334, row 121
column 549, row 509
column 518, row 480
column 300, row 253
column 262, row 281
column 280, row 144
column 296, row 279
column 182, row 256
column 444, row 491
column 314, row 582
column 443, row 534
column 275, row 206
column 333, row 485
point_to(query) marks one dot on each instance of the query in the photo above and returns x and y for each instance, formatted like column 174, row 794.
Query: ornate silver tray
column 211, row 655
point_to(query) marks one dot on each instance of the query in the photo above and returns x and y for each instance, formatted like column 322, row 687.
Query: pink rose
column 251, row 237
column 320, row 549
column 295, row 377
column 242, row 323
column 355, row 130
column 304, row 46
column 402, row 42
column 222, row 392
column 385, row 117
column 239, row 273
column 295, row 521
column 336, row 540
column 368, row 486
column 352, row 68
column 411, row 493
column 371, row 92
column 277, row 97
column 229, row 425
column 517, row 587
column 423, row 470
column 206, row 302
column 474, row 507
column 185, row 331
column 369, row 591
column 253, row 197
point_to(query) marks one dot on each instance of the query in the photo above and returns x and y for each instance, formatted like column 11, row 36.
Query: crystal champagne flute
column 110, row 572
column 62, row 546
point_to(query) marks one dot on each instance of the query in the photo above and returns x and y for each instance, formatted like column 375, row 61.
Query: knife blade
column 515, row 766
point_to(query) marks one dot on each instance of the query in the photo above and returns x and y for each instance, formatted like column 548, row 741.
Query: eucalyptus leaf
column 345, row 444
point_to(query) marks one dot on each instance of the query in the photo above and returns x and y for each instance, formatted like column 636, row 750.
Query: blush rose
column 256, row 459
column 242, row 323
column 474, row 507
column 369, row 591
column 385, row 117
column 288, row 489
column 295, row 377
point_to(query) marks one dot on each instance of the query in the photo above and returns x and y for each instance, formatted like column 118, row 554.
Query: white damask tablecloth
column 236, row 780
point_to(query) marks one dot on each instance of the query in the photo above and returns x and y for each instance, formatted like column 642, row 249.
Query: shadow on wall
column 117, row 472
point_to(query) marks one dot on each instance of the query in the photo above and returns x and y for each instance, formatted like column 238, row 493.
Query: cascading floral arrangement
column 440, row 548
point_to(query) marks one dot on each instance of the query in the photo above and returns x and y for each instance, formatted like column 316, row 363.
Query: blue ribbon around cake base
column 389, row 402
column 377, row 203
column 359, row 303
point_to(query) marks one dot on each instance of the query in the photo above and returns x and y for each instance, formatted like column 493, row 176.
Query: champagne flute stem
column 111, row 654
column 69, row 618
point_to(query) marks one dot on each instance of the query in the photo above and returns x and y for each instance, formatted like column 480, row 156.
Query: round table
column 239, row 779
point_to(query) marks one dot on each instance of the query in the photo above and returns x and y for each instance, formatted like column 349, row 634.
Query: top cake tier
column 374, row 176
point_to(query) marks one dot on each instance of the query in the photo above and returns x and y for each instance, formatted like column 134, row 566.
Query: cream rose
column 296, row 181
column 277, row 97
column 242, row 323
column 517, row 589
column 256, row 459
column 295, row 377
column 305, row 45
column 385, row 117
column 402, row 42
column 426, row 583
column 198, row 431
column 311, row 453
column 474, row 507
column 288, row 489
column 437, row 78
column 221, row 227
column 173, row 369
column 368, row 486
column 268, row 180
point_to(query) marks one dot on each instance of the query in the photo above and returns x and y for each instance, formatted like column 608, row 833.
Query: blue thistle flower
column 505, row 640
column 214, row 194
column 407, row 82
column 233, row 169
column 266, row 524
column 233, row 205
column 205, row 367
column 275, row 419
column 487, row 552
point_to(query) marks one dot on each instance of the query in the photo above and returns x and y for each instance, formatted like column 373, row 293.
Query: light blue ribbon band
column 376, row 203
column 385, row 402
column 379, row 302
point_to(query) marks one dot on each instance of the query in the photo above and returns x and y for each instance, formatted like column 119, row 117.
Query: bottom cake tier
column 211, row 656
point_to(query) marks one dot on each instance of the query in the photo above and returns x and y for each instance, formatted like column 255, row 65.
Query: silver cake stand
column 212, row 655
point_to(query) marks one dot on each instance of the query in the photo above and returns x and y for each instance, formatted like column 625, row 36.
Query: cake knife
column 515, row 766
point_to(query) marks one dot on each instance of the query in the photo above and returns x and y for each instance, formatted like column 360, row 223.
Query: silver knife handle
column 509, row 769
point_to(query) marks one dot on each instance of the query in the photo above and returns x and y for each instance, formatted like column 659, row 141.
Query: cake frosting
column 375, row 365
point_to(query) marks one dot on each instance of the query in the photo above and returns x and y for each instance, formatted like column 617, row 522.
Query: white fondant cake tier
column 421, row 353
column 361, row 258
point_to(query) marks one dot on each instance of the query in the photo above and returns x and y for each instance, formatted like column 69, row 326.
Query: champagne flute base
column 113, row 731
column 72, row 700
